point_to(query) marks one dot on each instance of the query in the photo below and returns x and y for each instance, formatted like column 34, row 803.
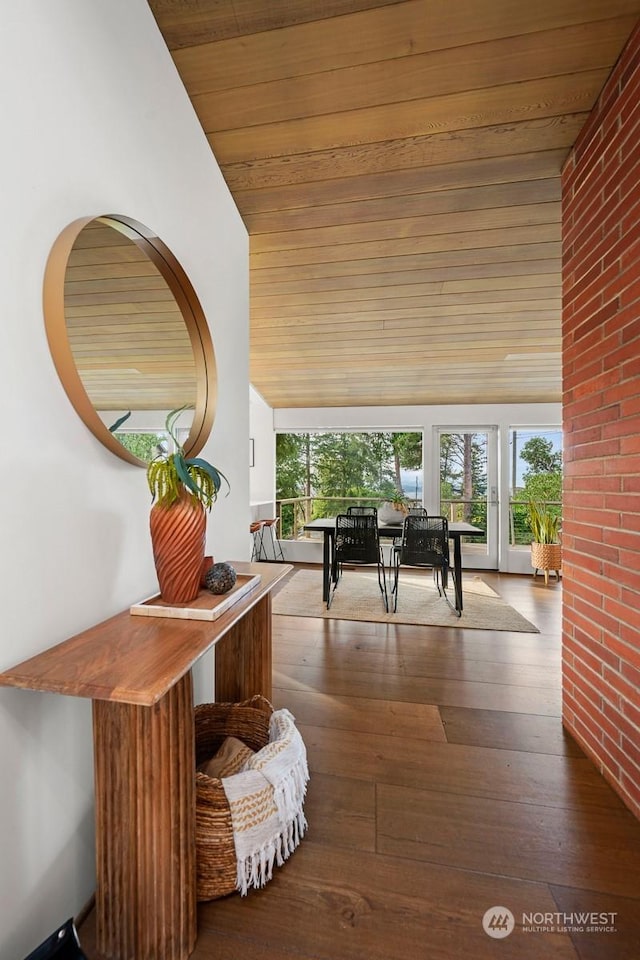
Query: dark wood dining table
column 457, row 530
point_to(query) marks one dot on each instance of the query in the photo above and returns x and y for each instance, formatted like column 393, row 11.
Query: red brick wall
column 601, row 373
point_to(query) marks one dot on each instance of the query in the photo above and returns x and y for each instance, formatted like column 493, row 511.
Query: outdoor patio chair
column 362, row 511
column 425, row 543
column 357, row 542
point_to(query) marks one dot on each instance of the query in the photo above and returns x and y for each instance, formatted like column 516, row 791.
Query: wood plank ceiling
column 397, row 165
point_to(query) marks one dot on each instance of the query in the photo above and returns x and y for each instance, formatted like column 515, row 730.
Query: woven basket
column 546, row 556
column 215, row 850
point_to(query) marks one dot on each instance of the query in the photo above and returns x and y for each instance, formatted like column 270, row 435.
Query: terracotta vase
column 178, row 537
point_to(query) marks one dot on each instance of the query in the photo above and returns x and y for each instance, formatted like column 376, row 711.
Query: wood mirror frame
column 160, row 262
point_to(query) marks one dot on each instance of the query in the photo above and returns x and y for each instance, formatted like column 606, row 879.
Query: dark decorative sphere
column 220, row 578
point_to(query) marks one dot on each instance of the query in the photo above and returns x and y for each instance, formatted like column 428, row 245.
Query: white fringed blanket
column 266, row 803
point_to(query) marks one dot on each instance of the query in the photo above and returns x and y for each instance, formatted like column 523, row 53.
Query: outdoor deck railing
column 294, row 512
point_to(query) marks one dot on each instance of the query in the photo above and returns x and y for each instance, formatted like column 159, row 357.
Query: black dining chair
column 356, row 542
column 413, row 512
column 424, row 543
column 358, row 511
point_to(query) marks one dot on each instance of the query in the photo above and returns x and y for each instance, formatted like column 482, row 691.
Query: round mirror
column 128, row 336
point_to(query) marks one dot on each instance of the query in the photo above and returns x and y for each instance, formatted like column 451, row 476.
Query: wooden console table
column 137, row 672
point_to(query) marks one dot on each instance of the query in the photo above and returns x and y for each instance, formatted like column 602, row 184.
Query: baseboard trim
column 84, row 911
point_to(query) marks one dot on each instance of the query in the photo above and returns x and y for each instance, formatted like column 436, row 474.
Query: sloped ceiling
column 397, row 165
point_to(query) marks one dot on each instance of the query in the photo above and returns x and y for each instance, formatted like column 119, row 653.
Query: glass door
column 468, row 485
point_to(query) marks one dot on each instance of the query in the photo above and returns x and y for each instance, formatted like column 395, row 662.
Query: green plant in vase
column 400, row 503
column 395, row 509
column 182, row 491
column 544, row 524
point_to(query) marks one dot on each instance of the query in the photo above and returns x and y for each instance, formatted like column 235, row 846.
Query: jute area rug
column 358, row 597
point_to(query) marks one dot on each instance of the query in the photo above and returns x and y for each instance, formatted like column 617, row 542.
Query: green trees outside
column 366, row 466
column 463, row 474
column 294, row 475
column 407, row 455
column 538, row 452
column 542, row 483
column 543, row 479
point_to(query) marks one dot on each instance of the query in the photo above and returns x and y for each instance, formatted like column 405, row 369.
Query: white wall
column 95, row 120
column 426, row 419
column 262, row 474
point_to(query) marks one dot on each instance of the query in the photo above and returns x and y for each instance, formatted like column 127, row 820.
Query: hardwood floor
column 442, row 785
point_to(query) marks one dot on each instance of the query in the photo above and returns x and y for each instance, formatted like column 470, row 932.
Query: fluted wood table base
column 145, row 827
column 243, row 663
column 137, row 672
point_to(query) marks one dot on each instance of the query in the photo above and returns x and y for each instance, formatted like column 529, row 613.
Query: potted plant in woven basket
column 182, row 491
column 546, row 550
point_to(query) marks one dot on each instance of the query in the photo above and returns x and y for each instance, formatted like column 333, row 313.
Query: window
column 535, row 467
column 320, row 474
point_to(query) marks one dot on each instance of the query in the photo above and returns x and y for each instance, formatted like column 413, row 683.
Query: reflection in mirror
column 128, row 336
